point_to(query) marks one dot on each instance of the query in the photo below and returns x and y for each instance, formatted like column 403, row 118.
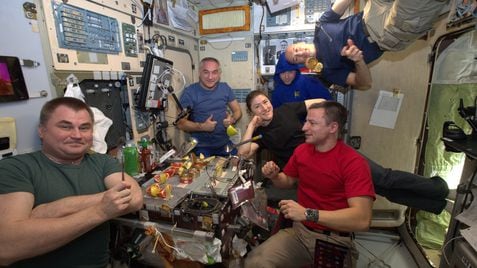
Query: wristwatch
column 312, row 215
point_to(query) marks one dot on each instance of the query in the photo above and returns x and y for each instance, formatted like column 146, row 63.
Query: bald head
column 299, row 52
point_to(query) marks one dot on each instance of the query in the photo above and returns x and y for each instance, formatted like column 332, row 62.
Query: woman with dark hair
column 281, row 130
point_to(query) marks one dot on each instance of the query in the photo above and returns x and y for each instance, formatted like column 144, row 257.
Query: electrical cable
column 159, row 235
column 148, row 13
column 200, row 206
column 148, row 49
column 211, row 177
column 222, row 48
column 212, row 4
column 125, row 104
column 468, row 191
column 257, row 48
column 444, row 248
column 167, row 76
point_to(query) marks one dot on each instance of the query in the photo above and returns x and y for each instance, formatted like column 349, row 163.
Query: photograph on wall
column 461, row 11
column 281, row 47
column 160, row 12
column 269, row 54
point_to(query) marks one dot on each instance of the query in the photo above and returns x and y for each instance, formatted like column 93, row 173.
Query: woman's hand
column 255, row 122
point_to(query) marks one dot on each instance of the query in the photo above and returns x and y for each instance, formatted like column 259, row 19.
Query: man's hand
column 228, row 120
column 209, row 124
column 116, row 200
column 352, row 52
column 270, row 170
column 292, row 210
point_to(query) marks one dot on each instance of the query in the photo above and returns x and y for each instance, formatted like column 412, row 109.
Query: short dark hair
column 334, row 112
column 72, row 103
column 251, row 96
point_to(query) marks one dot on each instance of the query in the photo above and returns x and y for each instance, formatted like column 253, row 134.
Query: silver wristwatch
column 311, row 215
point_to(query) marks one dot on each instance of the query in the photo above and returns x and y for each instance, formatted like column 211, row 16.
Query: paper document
column 179, row 16
column 386, row 109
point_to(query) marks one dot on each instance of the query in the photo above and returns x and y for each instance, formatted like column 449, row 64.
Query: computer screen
column 12, row 83
column 156, row 76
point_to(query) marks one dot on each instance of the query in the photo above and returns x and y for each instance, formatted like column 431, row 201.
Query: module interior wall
column 407, row 71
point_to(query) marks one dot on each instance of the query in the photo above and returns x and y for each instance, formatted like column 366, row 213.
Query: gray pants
column 395, row 24
column 294, row 247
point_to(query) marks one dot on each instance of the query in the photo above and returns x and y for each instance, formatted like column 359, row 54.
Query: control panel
column 301, row 17
column 314, row 9
column 82, row 29
column 130, row 40
column 98, row 36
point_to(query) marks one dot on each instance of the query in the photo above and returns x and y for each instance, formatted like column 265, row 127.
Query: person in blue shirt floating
column 291, row 86
column 345, row 46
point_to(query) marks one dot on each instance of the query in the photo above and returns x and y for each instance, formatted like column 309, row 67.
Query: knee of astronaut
column 441, row 186
column 251, row 261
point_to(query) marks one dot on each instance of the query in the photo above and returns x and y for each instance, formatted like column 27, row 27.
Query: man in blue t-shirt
column 291, row 86
column 209, row 119
column 346, row 46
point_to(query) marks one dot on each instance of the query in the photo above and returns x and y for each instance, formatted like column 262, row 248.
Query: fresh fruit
column 170, row 171
column 231, row 131
column 155, row 190
column 161, row 177
column 166, row 192
column 181, row 171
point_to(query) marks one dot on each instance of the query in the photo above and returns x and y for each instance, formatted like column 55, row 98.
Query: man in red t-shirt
column 335, row 193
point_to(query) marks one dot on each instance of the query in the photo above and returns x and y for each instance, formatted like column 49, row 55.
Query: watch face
column 311, row 215
column 308, row 214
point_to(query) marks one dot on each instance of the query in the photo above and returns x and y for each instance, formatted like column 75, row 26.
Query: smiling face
column 68, row 134
column 209, row 74
column 298, row 53
column 261, row 106
column 316, row 128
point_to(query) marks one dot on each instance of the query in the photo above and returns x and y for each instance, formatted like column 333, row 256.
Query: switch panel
column 239, row 56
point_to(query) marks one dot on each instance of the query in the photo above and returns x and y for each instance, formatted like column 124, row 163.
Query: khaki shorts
column 394, row 25
column 295, row 247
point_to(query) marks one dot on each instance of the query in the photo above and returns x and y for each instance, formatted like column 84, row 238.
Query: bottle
column 154, row 155
column 146, row 157
column 131, row 159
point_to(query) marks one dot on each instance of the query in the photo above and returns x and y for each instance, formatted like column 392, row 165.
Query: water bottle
column 131, row 159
